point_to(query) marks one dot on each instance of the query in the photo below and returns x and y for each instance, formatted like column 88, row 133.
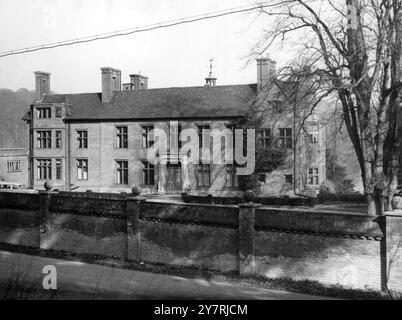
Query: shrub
column 327, row 187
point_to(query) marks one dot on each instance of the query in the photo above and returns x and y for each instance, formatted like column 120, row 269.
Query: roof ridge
column 152, row 89
column 174, row 102
column 189, row 87
column 71, row 94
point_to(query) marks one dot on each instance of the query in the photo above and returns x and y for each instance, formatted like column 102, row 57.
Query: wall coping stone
column 395, row 213
column 137, row 199
column 193, row 204
column 250, row 205
column 49, row 192
column 315, row 211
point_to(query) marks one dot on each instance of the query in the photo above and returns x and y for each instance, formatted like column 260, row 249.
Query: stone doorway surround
column 168, row 165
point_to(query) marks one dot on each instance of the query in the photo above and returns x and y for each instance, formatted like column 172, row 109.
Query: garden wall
column 351, row 250
column 19, row 218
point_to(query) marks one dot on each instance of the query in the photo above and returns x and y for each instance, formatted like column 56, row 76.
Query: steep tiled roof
column 27, row 116
column 187, row 102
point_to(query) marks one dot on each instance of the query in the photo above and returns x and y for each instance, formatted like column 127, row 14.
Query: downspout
column 68, row 157
column 100, row 156
column 31, row 146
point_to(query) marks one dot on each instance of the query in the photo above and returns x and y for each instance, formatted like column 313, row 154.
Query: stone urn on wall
column 48, row 185
column 250, row 195
column 397, row 202
column 187, row 189
column 136, row 190
column 397, row 199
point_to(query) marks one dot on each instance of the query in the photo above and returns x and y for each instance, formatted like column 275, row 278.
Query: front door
column 173, row 178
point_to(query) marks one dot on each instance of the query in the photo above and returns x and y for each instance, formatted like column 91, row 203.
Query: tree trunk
column 389, row 204
column 376, row 204
column 380, row 202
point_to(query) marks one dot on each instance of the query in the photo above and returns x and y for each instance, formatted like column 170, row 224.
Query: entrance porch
column 172, row 174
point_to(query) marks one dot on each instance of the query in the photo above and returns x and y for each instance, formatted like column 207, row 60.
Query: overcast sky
column 176, row 56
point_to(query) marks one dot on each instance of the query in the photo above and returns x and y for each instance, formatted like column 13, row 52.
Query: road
column 77, row 280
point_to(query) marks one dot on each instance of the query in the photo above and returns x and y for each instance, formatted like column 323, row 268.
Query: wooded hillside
column 13, row 106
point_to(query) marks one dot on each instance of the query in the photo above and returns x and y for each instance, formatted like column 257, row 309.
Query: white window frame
column 313, row 176
column 82, row 169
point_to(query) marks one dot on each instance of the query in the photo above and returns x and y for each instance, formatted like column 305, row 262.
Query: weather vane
column 210, row 66
column 210, row 80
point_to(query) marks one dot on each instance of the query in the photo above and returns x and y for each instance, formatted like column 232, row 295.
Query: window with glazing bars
column 122, row 137
column 147, row 139
column 285, row 138
column 44, row 139
column 203, row 175
column 82, row 139
column 122, row 172
column 148, row 174
column 44, row 167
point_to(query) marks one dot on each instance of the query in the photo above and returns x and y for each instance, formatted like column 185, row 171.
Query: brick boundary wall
column 356, row 251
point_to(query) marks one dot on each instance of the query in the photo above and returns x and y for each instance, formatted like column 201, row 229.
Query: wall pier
column 133, row 228
column 391, row 250
column 247, row 238
column 45, row 197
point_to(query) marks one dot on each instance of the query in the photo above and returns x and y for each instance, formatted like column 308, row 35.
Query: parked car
column 11, row 186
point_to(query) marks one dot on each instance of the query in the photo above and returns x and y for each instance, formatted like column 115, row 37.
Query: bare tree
column 354, row 47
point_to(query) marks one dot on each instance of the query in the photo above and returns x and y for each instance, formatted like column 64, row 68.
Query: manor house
column 99, row 141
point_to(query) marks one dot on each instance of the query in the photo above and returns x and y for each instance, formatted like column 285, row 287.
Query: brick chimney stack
column 137, row 82
column 111, row 82
column 42, row 84
column 266, row 69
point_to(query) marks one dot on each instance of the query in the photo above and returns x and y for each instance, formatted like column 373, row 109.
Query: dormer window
column 44, row 112
column 277, row 106
column 58, row 112
column 314, row 115
column 313, row 137
column 265, row 137
column 313, row 134
column 285, row 138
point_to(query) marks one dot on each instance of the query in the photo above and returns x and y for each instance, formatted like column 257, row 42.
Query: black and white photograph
column 201, row 155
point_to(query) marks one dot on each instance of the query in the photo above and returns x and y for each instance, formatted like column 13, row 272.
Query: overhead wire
column 130, row 31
